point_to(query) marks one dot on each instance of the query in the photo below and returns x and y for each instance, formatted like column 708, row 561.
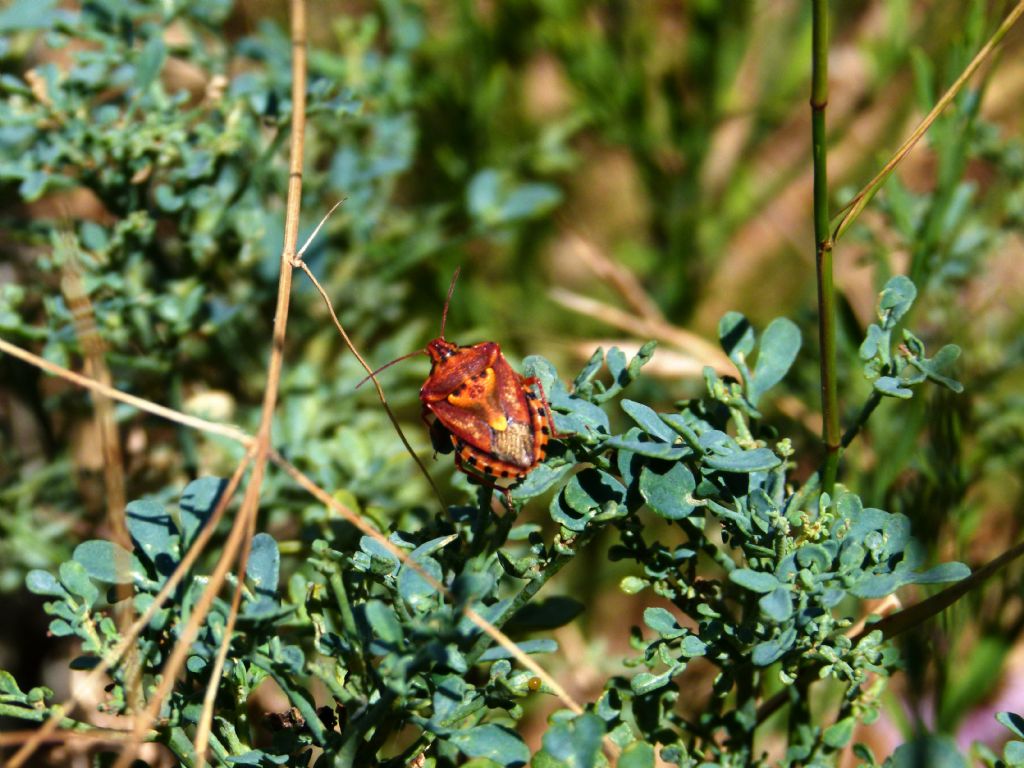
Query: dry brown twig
column 250, row 502
column 202, row 425
column 94, row 353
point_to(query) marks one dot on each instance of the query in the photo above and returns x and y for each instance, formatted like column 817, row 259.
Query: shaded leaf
column 494, row 742
column 540, row 645
column 575, row 742
column 744, row 462
column 780, row 344
column 736, row 335
column 264, row 565
column 419, row 593
column 649, row 421
column 777, row 605
column 153, row 533
column 107, row 562
column 770, row 651
column 549, row 613
column 197, row 503
column 932, row 750
column 667, row 493
column 637, row 755
column 755, row 581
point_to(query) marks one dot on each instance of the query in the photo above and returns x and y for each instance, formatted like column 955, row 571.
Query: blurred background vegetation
column 603, row 172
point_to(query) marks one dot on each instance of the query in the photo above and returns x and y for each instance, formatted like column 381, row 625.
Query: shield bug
column 497, row 422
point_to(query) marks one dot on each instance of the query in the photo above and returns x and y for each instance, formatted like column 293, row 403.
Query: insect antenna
column 448, row 300
column 388, row 365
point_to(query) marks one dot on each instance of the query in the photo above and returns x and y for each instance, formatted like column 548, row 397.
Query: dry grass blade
column 245, row 525
column 95, row 735
column 94, row 351
column 862, row 198
column 701, row 350
column 203, row 728
column 203, row 425
column 613, row 273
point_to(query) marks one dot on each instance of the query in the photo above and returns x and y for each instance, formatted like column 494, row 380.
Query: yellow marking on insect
column 482, row 398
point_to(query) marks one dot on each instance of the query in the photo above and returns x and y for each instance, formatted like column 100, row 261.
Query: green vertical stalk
column 823, row 245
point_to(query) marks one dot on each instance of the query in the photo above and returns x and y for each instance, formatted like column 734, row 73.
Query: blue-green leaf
column 939, row 366
column 197, row 503
column 382, row 622
column 744, row 462
column 663, row 622
column 1012, row 721
column 549, row 613
column 736, row 335
column 589, row 371
column 1013, row 753
column 44, row 583
column 649, row 421
column 651, row 449
column 74, row 577
column 880, row 585
column 645, row 682
column 639, row 754
column 777, row 605
column 494, row 742
column 874, row 341
column 838, row 734
column 419, row 593
column 693, row 646
column 668, row 493
column 896, row 299
column 932, row 750
column 779, row 346
column 540, row 645
column 150, row 62
column 153, row 533
column 943, row 573
column 27, row 14
column 264, row 565
column 540, row 480
column 770, row 651
column 890, row 386
column 382, row 560
column 815, row 557
column 755, row 581
column 493, row 198
column 575, row 742
column 108, row 562
column 592, row 488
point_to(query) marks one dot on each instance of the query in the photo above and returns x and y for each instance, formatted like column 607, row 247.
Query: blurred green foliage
column 142, row 147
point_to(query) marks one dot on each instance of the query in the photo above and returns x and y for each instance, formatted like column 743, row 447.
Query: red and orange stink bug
column 497, row 421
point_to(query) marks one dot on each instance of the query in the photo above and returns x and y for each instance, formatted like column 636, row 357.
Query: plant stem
column 823, row 245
